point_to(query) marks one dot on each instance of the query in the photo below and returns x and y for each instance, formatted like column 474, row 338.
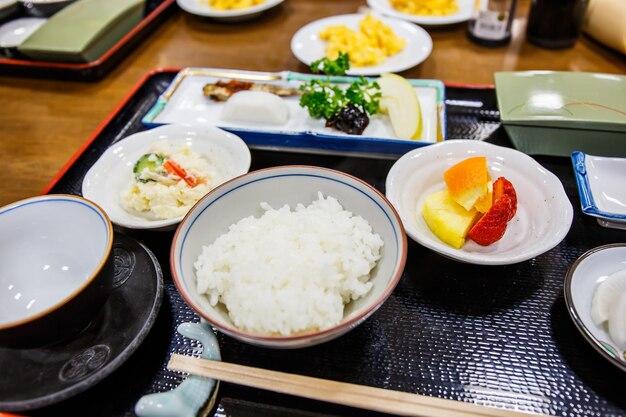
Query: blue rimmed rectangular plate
column 184, row 103
column 602, row 188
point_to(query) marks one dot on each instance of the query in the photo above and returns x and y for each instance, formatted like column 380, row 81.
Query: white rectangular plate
column 184, row 103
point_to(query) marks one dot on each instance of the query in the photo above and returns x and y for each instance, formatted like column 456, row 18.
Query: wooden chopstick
column 353, row 395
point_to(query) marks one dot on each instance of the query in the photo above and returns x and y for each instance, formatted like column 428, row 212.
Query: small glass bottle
column 491, row 22
column 555, row 23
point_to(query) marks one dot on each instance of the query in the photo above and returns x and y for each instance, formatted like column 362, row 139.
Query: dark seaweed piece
column 349, row 119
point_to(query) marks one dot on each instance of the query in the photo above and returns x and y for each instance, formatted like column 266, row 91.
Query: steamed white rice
column 288, row 271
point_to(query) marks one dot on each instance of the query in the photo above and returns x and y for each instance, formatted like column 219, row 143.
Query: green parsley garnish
column 323, row 99
column 337, row 66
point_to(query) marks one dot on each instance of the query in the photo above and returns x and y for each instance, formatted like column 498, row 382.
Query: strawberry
column 501, row 187
column 491, row 227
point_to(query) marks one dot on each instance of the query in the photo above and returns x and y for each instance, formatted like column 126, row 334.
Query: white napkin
column 606, row 22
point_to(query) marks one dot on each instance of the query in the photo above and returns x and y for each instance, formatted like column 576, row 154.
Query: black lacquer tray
column 498, row 336
column 155, row 12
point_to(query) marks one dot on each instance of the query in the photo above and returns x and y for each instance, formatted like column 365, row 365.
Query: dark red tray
column 156, row 12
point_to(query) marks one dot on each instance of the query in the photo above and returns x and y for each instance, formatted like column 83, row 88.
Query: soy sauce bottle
column 491, row 22
column 555, row 23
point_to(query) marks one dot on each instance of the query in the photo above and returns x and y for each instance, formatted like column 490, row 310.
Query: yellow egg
column 370, row 45
column 233, row 4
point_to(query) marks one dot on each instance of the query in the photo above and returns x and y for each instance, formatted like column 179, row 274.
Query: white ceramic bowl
column 581, row 282
column 544, row 213
column 112, row 173
column 278, row 186
column 56, row 268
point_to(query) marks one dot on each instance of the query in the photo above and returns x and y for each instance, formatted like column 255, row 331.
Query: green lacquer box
column 84, row 30
column 556, row 113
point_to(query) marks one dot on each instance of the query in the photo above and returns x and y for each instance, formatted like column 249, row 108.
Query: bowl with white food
column 289, row 256
column 595, row 295
column 151, row 179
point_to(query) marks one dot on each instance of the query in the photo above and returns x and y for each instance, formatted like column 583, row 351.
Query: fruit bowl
column 543, row 217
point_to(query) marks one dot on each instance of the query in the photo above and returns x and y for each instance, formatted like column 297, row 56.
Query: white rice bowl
column 290, row 271
column 241, row 198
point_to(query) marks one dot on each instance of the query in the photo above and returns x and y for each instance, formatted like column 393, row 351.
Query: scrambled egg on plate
column 426, row 7
column 371, row 45
column 233, row 4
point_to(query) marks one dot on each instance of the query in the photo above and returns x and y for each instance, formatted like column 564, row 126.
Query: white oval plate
column 113, row 172
column 201, row 8
column 307, row 46
column 14, row 32
column 544, row 213
column 464, row 13
column 585, row 274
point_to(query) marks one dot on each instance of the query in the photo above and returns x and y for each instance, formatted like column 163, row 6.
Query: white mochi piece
column 256, row 107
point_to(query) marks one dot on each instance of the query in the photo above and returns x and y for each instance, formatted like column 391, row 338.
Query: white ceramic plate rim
column 28, row 25
column 464, row 13
column 140, row 142
column 577, row 311
column 194, row 7
column 7, row 3
column 305, row 42
column 403, row 167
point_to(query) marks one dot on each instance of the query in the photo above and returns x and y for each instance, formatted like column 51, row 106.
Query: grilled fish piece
column 221, row 91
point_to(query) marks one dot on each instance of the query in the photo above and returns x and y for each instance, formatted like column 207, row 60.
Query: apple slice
column 400, row 101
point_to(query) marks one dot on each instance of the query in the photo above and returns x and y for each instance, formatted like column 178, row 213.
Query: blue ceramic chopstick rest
column 195, row 395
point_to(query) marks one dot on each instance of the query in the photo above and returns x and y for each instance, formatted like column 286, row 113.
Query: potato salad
column 167, row 182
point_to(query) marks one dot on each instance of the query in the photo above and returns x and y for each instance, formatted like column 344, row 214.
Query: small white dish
column 201, row 8
column 8, row 7
column 601, row 185
column 112, row 173
column 464, row 13
column 14, row 32
column 307, row 46
column 544, row 213
column 582, row 279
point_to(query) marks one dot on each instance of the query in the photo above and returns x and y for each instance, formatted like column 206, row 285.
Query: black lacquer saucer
column 34, row 378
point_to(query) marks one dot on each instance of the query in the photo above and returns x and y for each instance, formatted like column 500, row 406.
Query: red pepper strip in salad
column 173, row 168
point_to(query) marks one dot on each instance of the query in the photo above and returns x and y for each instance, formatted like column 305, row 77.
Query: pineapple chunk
column 448, row 220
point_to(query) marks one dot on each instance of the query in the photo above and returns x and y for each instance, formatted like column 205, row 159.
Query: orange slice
column 468, row 182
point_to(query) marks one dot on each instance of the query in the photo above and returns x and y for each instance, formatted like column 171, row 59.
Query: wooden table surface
column 43, row 122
